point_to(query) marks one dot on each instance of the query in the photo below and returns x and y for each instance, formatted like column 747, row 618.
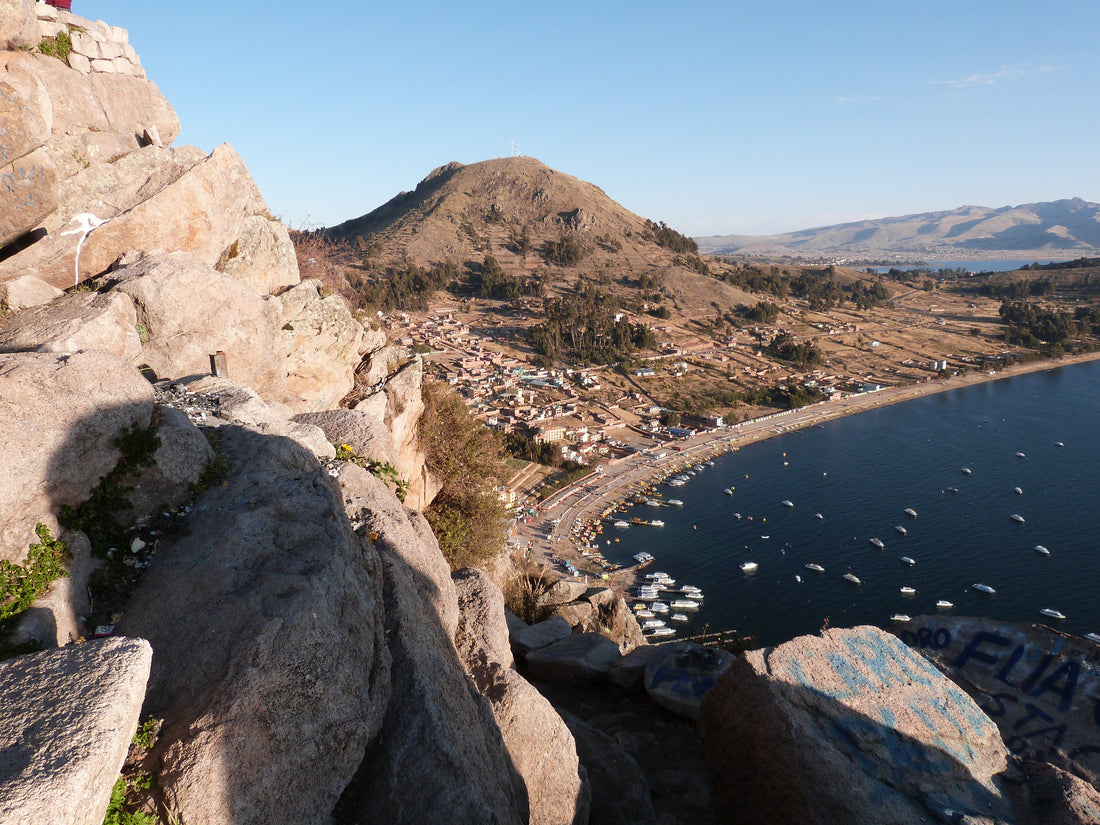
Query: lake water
column 975, row 265
column 861, row 473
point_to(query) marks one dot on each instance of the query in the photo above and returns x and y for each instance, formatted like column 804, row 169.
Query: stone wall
column 97, row 47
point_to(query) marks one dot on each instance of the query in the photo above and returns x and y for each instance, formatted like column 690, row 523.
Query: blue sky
column 716, row 117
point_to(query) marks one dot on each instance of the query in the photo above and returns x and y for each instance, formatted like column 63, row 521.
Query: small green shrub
column 380, row 469
column 59, row 46
column 116, row 808
column 20, row 585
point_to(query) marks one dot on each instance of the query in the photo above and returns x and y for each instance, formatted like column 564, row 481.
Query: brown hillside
column 461, row 213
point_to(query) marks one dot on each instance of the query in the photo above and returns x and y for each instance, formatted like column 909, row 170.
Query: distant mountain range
column 1064, row 228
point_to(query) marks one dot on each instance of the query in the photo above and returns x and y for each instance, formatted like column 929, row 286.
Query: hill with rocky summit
column 1064, row 228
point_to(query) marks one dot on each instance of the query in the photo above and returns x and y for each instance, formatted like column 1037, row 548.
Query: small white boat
column 661, row 631
column 943, row 604
column 684, row 604
column 985, row 588
column 909, row 511
column 675, row 502
column 818, row 515
column 652, row 624
column 737, row 516
column 642, row 558
column 728, row 491
column 652, row 502
column 657, row 575
column 878, row 543
column 680, row 617
column 908, row 591
column 622, row 524
column 749, row 566
column 852, row 578
column 902, row 530
column 1017, row 491
column 1021, row 455
column 644, row 614
column 817, row 568
column 798, row 578
column 952, row 489
column 1016, row 517
column 908, row 560
column 656, row 523
column 1092, row 637
column 659, row 607
column 787, row 503
column 901, row 617
column 966, row 470
column 1041, row 550
column 1054, row 614
column 691, row 588
column 1060, row 444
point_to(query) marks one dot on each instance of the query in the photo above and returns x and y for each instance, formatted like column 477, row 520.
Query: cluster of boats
column 652, row 600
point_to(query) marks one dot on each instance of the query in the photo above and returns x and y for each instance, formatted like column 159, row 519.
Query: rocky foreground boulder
column 1039, row 686
column 853, row 726
column 65, row 725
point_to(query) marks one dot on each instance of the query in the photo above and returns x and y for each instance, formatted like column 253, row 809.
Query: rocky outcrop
column 26, row 291
column 188, row 311
column 61, row 415
column 271, row 670
column 65, row 725
column 538, row 741
column 850, row 726
column 1038, row 685
column 577, row 659
column 81, row 321
column 325, row 344
column 439, row 739
column 678, row 675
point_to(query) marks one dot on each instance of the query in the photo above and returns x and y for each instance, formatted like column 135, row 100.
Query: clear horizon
column 717, row 118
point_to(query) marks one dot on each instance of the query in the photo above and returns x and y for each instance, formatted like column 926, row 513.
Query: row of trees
column 1031, row 324
column 583, row 328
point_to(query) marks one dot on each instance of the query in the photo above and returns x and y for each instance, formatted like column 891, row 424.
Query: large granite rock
column 324, row 345
column 30, row 193
column 850, row 726
column 563, row 591
column 81, row 321
column 440, row 757
column 529, row 638
column 615, row 620
column 26, row 291
column 189, row 311
column 271, row 669
column 65, row 726
column 679, row 674
column 580, row 658
column 18, row 24
column 262, row 256
column 61, row 415
column 539, row 743
column 1038, row 685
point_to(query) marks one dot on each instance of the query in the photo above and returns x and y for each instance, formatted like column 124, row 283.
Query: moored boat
column 818, row 515
column 1054, row 614
column 1041, row 550
column 878, row 543
column 675, row 502
column 852, row 577
column 900, row 617
column 908, row 560
column 1016, row 517
column 643, row 558
column 902, row 530
column 652, row 624
column 984, row 588
column 944, row 604
column 1092, row 637
column 680, row 617
column 1017, row 491
column 966, row 471
column 908, row 591
column 644, row 614
column 749, row 566
column 660, row 631
column 909, row 511
column 787, row 503
column 817, row 568
column 620, row 523
column 683, row 604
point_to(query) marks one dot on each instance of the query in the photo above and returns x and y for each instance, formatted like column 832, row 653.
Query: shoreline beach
column 557, row 532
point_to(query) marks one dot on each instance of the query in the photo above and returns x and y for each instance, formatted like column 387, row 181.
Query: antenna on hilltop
column 515, row 149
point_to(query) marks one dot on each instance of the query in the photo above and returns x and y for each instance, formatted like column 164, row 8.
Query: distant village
column 561, row 406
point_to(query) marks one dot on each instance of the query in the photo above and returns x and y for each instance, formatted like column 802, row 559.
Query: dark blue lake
column 861, row 473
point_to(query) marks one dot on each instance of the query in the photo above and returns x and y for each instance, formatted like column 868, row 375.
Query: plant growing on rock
column 21, row 584
column 467, row 459
column 380, row 469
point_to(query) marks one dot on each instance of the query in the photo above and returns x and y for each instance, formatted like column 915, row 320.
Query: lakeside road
column 551, row 531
